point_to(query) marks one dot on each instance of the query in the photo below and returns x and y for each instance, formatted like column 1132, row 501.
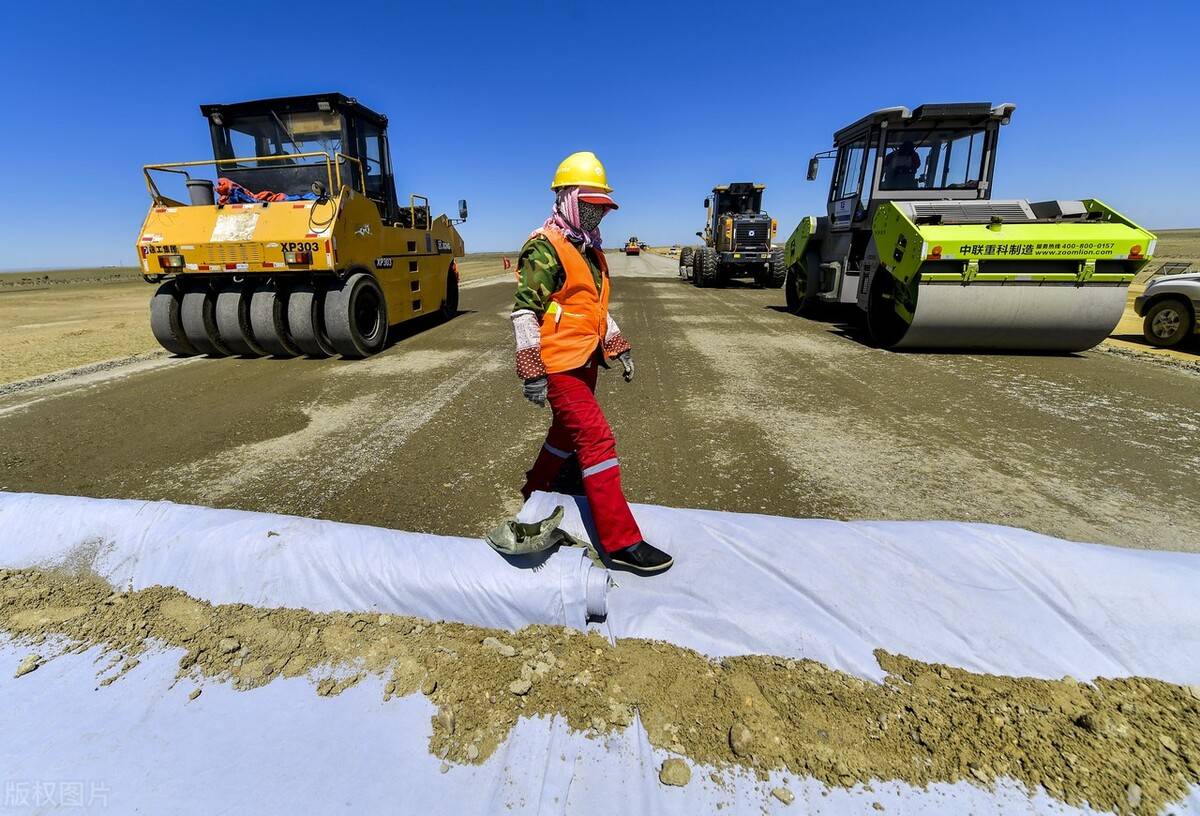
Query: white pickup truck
column 1169, row 307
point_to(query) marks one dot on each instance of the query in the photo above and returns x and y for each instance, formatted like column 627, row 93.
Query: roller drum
column 1026, row 317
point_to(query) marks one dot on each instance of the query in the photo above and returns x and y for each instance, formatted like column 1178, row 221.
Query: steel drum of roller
column 1046, row 317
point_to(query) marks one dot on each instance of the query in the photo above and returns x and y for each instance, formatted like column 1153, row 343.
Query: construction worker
column 564, row 334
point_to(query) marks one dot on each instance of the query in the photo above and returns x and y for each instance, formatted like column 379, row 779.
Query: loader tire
column 233, row 320
column 268, row 321
column 777, row 272
column 356, row 316
column 685, row 261
column 165, row 321
column 707, row 269
column 198, row 313
column 306, row 320
column 449, row 307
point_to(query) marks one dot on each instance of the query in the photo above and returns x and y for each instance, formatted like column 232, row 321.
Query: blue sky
column 485, row 99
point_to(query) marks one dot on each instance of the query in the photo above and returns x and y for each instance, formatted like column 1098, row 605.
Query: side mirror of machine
column 699, row 234
column 706, row 203
column 814, row 167
column 462, row 209
column 318, row 189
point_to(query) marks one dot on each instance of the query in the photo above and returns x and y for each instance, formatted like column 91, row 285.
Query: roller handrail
column 157, row 196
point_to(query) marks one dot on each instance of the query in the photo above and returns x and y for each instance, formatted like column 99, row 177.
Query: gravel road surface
column 736, row 405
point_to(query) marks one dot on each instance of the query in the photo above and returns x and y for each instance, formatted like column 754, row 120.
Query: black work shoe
column 641, row 559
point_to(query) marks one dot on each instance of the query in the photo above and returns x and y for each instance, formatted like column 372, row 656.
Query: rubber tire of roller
column 799, row 304
column 885, row 327
column 268, row 321
column 708, row 270
column 1185, row 323
column 165, row 322
column 306, row 320
column 198, row 313
column 233, row 320
column 344, row 330
column 449, row 307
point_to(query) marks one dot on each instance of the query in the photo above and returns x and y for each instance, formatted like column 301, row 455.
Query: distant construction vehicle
column 737, row 240
column 306, row 250
column 633, row 246
column 914, row 239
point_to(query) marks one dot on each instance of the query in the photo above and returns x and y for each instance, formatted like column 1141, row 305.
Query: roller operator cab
column 914, row 239
column 291, row 239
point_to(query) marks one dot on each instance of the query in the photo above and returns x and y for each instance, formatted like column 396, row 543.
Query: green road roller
column 914, row 239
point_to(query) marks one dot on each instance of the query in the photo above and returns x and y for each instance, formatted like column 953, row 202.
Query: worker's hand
column 535, row 391
column 626, row 358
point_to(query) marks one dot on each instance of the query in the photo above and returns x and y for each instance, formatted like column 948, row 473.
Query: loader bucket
column 1051, row 276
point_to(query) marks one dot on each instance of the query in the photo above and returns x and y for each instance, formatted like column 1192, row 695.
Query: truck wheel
column 450, row 305
column 268, row 321
column 198, row 313
column 685, row 261
column 778, row 271
column 306, row 320
column 1167, row 323
column 233, row 320
column 707, row 270
column 356, row 316
column 165, row 321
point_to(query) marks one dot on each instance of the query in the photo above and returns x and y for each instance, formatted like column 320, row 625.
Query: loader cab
column 286, row 145
column 738, row 198
column 934, row 152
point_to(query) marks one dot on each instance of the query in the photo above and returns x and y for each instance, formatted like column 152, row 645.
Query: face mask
column 590, row 215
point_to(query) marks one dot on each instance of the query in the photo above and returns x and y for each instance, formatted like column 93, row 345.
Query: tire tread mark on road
column 339, row 444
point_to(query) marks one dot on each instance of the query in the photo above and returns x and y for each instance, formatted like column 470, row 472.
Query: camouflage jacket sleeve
column 539, row 275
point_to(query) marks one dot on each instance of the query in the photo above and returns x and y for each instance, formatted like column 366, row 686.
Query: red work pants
column 579, row 427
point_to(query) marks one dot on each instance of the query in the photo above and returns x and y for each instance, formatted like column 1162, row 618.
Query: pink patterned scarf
column 565, row 219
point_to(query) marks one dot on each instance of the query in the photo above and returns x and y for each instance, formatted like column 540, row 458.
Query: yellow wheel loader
column 296, row 244
column 914, row 239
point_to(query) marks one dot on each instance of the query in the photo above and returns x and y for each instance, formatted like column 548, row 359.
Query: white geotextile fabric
column 227, row 556
column 984, row 597
column 979, row 596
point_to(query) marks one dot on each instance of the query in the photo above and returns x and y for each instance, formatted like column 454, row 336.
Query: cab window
column 943, row 159
column 280, row 135
column 851, row 164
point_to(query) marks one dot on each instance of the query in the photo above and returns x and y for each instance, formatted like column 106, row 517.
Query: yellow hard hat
column 581, row 169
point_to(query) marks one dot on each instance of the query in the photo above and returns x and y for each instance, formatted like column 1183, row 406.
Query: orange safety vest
column 576, row 320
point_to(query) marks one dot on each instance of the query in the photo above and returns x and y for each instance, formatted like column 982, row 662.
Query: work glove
column 535, row 391
column 626, row 360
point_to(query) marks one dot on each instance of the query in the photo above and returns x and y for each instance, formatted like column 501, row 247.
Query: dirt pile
column 1128, row 745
